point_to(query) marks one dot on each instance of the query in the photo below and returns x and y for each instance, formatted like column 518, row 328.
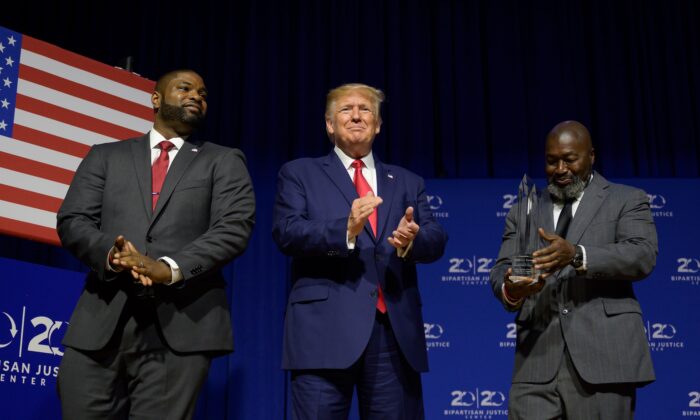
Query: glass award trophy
column 526, row 235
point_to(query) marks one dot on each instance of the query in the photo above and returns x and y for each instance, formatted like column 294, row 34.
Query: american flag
column 54, row 105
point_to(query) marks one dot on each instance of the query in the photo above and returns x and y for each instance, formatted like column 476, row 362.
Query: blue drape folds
column 472, row 89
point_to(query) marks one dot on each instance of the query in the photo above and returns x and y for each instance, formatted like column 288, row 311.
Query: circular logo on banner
column 30, row 348
column 687, row 271
column 433, row 335
column 477, row 403
column 657, row 204
column 663, row 336
column 435, row 203
column 468, row 271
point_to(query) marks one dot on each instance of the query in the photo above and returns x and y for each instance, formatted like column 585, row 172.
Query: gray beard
column 568, row 192
column 175, row 113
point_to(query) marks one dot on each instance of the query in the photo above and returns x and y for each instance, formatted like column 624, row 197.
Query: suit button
column 564, row 311
column 373, row 293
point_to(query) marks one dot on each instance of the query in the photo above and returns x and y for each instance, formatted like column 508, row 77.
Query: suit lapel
column 386, row 186
column 546, row 214
column 177, row 169
column 339, row 176
column 592, row 199
column 141, row 150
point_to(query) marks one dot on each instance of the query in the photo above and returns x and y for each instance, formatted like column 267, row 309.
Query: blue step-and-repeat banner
column 470, row 337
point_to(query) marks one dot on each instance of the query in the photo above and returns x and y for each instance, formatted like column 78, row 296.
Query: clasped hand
column 143, row 268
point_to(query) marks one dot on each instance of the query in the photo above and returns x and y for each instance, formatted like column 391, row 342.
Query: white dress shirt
column 154, row 138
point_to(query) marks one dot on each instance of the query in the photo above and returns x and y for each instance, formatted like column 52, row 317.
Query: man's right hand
column 360, row 211
column 522, row 289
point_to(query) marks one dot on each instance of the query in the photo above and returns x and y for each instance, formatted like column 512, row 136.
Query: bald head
column 569, row 158
column 571, row 131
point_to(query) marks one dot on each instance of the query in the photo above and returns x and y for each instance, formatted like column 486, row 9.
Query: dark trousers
column 567, row 396
column 136, row 376
column 387, row 386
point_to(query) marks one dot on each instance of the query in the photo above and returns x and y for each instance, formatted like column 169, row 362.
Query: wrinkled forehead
column 567, row 141
column 186, row 77
column 355, row 97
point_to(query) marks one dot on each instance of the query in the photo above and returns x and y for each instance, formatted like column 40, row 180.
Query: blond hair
column 375, row 96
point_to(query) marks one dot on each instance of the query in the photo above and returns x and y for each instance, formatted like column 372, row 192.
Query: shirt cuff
column 403, row 252
column 176, row 274
column 109, row 265
column 350, row 241
column 584, row 266
column 509, row 300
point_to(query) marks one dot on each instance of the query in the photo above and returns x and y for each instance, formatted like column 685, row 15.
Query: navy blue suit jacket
column 331, row 307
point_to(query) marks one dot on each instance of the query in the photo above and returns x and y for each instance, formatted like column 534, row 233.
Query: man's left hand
column 406, row 232
column 554, row 257
column 143, row 268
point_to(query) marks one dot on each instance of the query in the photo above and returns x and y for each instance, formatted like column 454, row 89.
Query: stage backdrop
column 470, row 336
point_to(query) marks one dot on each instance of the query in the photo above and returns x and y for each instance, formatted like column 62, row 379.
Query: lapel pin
column 195, row 150
column 390, row 176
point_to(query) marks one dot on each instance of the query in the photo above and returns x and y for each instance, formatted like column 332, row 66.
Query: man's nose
column 195, row 96
column 562, row 167
column 355, row 114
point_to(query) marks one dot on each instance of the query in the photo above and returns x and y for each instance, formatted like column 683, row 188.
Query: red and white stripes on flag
column 54, row 105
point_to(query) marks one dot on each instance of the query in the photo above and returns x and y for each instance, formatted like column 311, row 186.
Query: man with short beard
column 581, row 349
column 155, row 218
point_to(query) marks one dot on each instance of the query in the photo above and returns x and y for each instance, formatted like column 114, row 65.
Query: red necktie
column 362, row 187
column 159, row 170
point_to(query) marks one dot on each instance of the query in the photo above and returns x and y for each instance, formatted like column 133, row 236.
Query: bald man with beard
column 581, row 349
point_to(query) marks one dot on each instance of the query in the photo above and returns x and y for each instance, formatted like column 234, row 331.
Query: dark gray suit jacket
column 203, row 220
column 594, row 313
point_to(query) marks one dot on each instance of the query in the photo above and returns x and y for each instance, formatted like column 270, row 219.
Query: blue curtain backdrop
column 472, row 89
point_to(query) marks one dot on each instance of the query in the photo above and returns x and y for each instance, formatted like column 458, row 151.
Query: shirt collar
column 347, row 160
column 154, row 137
column 580, row 195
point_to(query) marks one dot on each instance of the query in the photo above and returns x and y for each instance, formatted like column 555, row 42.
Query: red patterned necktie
column 159, row 170
column 362, row 187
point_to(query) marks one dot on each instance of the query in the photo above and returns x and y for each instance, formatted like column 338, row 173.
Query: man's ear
column 329, row 127
column 155, row 100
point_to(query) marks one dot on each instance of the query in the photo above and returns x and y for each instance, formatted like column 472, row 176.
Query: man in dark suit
column 356, row 228
column 154, row 310
column 581, row 347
